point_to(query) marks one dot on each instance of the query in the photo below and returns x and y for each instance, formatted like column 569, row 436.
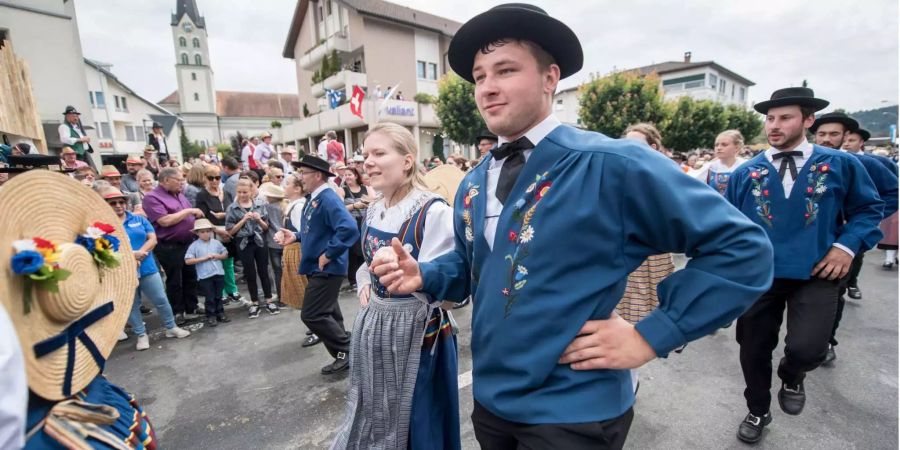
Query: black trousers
column 255, row 260
column 852, row 281
column 322, row 314
column 811, row 306
column 211, row 289
column 181, row 279
column 495, row 433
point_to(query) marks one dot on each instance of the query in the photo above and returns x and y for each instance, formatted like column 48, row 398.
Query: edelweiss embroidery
column 816, row 187
column 521, row 235
column 760, row 180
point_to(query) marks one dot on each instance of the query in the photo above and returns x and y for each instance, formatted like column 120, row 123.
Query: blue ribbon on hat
column 67, row 338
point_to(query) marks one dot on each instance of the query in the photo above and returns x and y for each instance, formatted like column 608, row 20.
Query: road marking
column 464, row 379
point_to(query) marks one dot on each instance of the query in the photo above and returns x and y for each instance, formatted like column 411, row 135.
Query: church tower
column 196, row 91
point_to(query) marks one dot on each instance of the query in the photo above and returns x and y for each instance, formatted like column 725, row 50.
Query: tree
column 189, row 149
column 305, row 110
column 275, row 124
column 748, row 122
column 690, row 124
column 611, row 103
column 456, row 109
column 423, row 98
column 437, row 147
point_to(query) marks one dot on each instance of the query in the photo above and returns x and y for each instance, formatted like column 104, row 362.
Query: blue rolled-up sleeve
column 447, row 276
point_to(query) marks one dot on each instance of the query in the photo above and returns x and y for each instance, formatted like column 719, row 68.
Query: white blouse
column 437, row 237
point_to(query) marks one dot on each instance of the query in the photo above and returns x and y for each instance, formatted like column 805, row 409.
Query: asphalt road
column 249, row 384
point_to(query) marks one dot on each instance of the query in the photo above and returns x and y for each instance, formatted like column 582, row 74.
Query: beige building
column 380, row 47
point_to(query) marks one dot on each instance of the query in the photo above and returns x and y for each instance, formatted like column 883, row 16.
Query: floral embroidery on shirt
column 521, row 236
column 307, row 214
column 815, row 188
column 759, row 179
column 471, row 193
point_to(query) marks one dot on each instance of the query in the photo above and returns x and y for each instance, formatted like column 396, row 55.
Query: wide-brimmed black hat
column 863, row 133
column 156, row 125
column 313, row 162
column 485, row 134
column 800, row 96
column 850, row 124
column 24, row 163
column 71, row 110
column 515, row 21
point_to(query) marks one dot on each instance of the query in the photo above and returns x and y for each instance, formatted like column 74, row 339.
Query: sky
column 848, row 52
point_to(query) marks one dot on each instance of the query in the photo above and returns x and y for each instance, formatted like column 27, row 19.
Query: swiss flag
column 356, row 101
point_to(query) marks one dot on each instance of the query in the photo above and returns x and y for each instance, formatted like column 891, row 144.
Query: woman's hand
column 139, row 255
column 364, row 293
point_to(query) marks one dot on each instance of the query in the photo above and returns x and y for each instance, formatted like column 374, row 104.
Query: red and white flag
column 356, row 101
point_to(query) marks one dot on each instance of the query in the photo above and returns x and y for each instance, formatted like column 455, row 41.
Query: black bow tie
column 779, row 155
column 519, row 145
column 787, row 164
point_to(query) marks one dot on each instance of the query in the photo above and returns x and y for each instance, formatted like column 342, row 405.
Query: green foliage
column 691, row 124
column 877, row 121
column 747, row 121
column 611, row 103
column 275, row 124
column 437, row 147
column 317, row 77
column 189, row 149
column 456, row 109
column 423, row 98
column 223, row 148
column 305, row 110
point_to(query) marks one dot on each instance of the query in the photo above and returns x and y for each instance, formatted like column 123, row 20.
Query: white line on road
column 464, row 379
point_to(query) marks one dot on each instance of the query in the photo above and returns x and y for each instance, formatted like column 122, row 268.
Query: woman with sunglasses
column 209, row 200
column 142, row 237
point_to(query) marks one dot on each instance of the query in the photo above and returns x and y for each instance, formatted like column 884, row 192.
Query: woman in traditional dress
column 293, row 285
column 403, row 368
column 717, row 172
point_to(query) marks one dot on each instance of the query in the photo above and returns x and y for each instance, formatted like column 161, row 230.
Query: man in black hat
column 71, row 133
column 327, row 231
column 799, row 193
column 157, row 138
column 548, row 227
column 832, row 130
column 486, row 141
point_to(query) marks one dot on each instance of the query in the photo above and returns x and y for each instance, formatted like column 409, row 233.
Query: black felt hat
column 313, row 162
column 850, row 124
column 485, row 134
column 24, row 163
column 71, row 110
column 515, row 21
column 863, row 133
column 799, row 96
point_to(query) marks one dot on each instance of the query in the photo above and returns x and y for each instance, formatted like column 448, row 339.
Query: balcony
column 340, row 80
column 312, row 59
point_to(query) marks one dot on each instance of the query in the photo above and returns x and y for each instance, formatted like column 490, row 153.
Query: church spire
column 188, row 7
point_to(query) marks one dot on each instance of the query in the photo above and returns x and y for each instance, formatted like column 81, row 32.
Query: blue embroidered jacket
column 885, row 180
column 326, row 227
column 585, row 211
column 804, row 226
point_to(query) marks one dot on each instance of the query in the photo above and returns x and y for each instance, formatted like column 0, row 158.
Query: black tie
column 787, row 162
column 512, row 167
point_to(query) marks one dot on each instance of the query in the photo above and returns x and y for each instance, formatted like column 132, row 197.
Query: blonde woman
column 195, row 177
column 717, row 172
column 293, row 285
column 403, row 350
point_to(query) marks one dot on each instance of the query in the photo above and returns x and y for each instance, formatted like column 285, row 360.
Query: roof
column 188, row 7
column 380, row 9
column 250, row 104
column 677, row 66
column 102, row 67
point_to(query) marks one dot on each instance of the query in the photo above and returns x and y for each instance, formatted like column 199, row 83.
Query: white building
column 210, row 116
column 704, row 80
column 122, row 118
column 379, row 44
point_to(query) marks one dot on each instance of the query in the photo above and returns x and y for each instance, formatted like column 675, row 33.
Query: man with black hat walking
column 798, row 193
column 486, row 141
column 157, row 138
column 831, row 130
column 548, row 227
column 72, row 134
column 327, row 231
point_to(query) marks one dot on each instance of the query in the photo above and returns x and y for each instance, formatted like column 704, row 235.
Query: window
column 721, row 86
column 124, row 105
column 129, row 133
column 194, row 76
column 682, row 83
column 328, row 6
column 184, row 59
column 198, row 60
column 118, row 108
column 182, row 42
column 713, row 80
column 196, row 43
column 321, row 16
column 732, row 90
column 693, row 84
column 91, row 97
column 743, row 93
column 420, row 69
column 196, row 97
column 432, row 71
column 104, row 130
column 101, row 100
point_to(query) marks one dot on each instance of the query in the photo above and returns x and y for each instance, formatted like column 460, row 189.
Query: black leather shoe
column 792, row 398
column 179, row 319
column 829, row 356
column 311, row 340
column 340, row 364
column 222, row 318
column 463, row 303
column 211, row 322
column 854, row 292
column 751, row 429
column 308, row 332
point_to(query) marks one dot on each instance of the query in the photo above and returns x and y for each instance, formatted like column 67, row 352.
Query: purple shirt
column 159, row 203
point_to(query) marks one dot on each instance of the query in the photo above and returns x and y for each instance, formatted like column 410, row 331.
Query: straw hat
column 134, row 159
column 109, row 171
column 81, row 298
column 271, row 190
column 202, row 224
column 444, row 180
column 67, row 149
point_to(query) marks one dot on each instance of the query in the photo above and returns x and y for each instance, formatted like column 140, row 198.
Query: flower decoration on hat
column 38, row 261
column 101, row 244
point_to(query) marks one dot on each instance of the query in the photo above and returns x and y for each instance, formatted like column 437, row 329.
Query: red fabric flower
column 104, row 227
column 766, row 192
column 809, row 190
column 806, row 215
column 770, row 217
column 513, row 236
column 467, row 201
column 823, row 168
column 42, row 243
column 542, row 190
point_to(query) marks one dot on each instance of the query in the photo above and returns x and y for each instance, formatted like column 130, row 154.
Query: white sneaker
column 143, row 342
column 123, row 336
column 177, row 333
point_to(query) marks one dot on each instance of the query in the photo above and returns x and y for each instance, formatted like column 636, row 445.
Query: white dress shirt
column 716, row 166
column 161, row 139
column 13, row 386
column 66, row 137
column 788, row 180
column 494, row 207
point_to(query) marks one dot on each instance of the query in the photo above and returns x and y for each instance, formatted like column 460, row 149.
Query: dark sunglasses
column 117, row 202
column 213, row 178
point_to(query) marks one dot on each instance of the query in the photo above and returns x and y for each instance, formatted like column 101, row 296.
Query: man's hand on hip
column 608, row 344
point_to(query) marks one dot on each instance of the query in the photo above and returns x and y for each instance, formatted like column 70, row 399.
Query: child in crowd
column 274, row 196
column 247, row 221
column 207, row 254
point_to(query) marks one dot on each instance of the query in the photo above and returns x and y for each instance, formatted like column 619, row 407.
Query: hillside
column 877, row 121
